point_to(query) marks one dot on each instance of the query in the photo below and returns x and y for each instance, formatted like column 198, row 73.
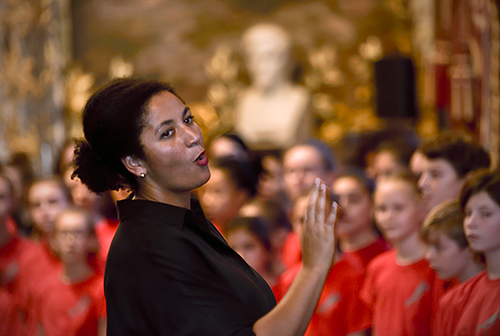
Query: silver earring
column 143, row 175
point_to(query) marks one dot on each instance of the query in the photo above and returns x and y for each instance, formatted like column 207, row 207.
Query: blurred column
column 34, row 52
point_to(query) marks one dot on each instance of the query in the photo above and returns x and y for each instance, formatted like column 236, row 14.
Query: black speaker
column 395, row 87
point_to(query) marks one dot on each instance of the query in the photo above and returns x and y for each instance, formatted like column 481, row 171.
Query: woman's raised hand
column 318, row 232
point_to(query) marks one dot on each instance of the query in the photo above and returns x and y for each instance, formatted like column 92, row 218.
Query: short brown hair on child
column 447, row 218
column 460, row 150
column 404, row 176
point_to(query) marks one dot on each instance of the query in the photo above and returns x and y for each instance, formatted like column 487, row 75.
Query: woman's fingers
column 332, row 218
column 311, row 202
column 320, row 216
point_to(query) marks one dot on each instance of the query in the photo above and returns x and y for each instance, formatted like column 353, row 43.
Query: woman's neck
column 358, row 241
column 76, row 272
column 493, row 264
column 410, row 249
column 182, row 200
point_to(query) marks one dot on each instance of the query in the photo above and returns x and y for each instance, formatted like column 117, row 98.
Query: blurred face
column 357, row 207
column 482, row 224
column 5, row 198
column 299, row 214
column 398, row 211
column 302, row 164
column 445, row 257
column 220, row 199
column 175, row 160
column 250, row 249
column 417, row 163
column 46, row 201
column 225, row 147
column 72, row 237
column 439, row 182
column 385, row 164
column 67, row 156
column 80, row 194
column 271, row 182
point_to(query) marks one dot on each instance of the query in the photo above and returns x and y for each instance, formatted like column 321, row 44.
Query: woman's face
column 356, row 204
column 482, row 223
column 175, row 161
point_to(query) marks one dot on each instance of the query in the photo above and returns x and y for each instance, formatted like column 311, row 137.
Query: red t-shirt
column 105, row 230
column 362, row 257
column 450, row 307
column 291, row 252
column 18, row 260
column 479, row 302
column 340, row 310
column 71, row 309
column 402, row 298
column 10, row 324
column 11, row 225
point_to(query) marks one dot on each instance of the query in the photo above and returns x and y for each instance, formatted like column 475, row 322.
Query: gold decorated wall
column 54, row 52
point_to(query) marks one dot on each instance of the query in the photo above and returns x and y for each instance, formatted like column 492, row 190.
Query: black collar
column 162, row 212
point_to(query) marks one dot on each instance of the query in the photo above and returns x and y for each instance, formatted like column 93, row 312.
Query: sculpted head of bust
column 267, row 48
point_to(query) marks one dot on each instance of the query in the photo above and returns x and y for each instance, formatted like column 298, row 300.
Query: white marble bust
column 272, row 113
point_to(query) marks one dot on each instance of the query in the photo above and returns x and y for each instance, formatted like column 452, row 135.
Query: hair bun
column 92, row 170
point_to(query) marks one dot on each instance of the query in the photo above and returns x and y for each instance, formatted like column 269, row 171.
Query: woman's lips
column 202, row 159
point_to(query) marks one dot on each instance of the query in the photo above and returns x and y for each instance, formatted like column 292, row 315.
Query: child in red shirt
column 400, row 286
column 73, row 303
column 358, row 238
column 479, row 299
column 250, row 237
column 450, row 257
column 340, row 310
column 291, row 253
column 18, row 257
column 46, row 199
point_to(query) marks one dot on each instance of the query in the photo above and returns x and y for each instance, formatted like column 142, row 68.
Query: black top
column 170, row 272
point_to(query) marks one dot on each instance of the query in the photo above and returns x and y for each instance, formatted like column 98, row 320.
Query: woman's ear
column 134, row 165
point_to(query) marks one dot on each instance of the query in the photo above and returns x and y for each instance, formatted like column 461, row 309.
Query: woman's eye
column 188, row 120
column 167, row 133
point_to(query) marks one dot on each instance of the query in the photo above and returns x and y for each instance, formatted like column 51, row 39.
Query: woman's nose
column 192, row 136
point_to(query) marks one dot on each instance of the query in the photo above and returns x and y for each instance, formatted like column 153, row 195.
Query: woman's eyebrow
column 187, row 110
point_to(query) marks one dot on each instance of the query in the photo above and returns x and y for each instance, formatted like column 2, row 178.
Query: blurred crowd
column 418, row 235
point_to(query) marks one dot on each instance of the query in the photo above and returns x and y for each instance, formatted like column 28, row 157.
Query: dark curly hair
column 113, row 120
